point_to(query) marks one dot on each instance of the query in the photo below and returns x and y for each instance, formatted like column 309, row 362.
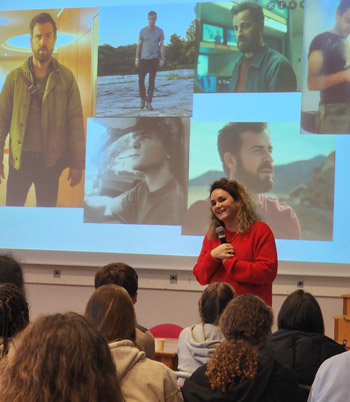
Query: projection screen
column 119, row 211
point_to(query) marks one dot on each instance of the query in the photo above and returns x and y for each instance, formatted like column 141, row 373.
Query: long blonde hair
column 246, row 212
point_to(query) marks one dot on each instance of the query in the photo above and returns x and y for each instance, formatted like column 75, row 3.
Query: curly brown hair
column 233, row 363
column 59, row 358
column 246, row 324
column 247, row 317
column 246, row 213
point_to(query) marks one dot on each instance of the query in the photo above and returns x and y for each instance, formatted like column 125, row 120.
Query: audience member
column 14, row 314
column 111, row 310
column 300, row 343
column 59, row 358
column 121, row 274
column 240, row 369
column 332, row 380
column 11, row 271
column 198, row 342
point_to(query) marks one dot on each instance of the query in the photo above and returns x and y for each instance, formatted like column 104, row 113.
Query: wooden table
column 168, row 356
column 342, row 323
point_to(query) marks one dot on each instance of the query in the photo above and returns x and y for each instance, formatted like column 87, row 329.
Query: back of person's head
column 213, row 301
column 59, row 358
column 254, row 9
column 118, row 273
column 246, row 324
column 301, row 312
column 343, row 7
column 14, row 313
column 11, row 271
column 111, row 311
column 248, row 318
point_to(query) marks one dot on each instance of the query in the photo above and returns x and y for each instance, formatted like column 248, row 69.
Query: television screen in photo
column 212, row 33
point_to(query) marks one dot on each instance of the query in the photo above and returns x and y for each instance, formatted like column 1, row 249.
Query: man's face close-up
column 152, row 20
column 149, row 152
column 248, row 33
column 43, row 41
column 254, row 163
column 343, row 23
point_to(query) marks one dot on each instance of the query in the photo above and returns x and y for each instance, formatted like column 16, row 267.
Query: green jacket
column 269, row 71
column 61, row 117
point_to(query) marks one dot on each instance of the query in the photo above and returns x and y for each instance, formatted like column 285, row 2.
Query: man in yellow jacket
column 40, row 109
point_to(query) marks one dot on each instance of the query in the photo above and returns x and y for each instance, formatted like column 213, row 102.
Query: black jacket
column 273, row 383
column 303, row 352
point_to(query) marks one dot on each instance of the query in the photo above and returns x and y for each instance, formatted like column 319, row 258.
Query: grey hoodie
column 196, row 345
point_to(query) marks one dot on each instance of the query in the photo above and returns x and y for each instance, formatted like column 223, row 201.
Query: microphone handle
column 223, row 239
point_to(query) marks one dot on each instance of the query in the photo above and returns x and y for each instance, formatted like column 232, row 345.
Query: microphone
column 220, row 231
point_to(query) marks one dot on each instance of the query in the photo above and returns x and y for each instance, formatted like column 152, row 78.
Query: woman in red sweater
column 247, row 259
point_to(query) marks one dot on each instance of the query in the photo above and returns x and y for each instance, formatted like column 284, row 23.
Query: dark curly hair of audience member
column 246, row 324
column 59, row 358
column 246, row 211
column 301, row 312
column 213, row 301
column 14, row 313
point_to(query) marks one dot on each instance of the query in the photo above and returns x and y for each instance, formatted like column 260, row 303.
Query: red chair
column 166, row 331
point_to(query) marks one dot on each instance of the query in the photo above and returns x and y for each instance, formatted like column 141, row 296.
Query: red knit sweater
column 253, row 267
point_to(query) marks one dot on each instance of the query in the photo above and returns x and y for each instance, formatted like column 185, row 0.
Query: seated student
column 111, row 310
column 198, row 342
column 14, row 314
column 59, row 358
column 240, row 369
column 11, row 271
column 332, row 383
column 121, row 274
column 300, row 343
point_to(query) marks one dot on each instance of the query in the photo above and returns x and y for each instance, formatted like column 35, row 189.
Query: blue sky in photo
column 288, row 145
column 172, row 18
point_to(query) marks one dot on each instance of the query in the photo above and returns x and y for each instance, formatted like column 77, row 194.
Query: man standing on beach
column 149, row 47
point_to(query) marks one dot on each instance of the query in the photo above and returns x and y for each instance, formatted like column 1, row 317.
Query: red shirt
column 253, row 267
column 242, row 79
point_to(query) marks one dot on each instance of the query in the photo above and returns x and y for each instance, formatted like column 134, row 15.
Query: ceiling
column 14, row 23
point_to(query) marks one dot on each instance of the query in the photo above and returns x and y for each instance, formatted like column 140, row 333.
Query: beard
column 42, row 57
column 253, row 181
column 250, row 45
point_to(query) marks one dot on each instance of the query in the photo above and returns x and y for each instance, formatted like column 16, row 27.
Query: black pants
column 33, row 170
column 149, row 66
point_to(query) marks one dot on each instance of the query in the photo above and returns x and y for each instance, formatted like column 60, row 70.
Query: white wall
column 160, row 301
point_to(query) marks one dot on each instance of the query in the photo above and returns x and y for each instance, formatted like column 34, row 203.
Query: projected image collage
column 290, row 177
column 160, row 88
